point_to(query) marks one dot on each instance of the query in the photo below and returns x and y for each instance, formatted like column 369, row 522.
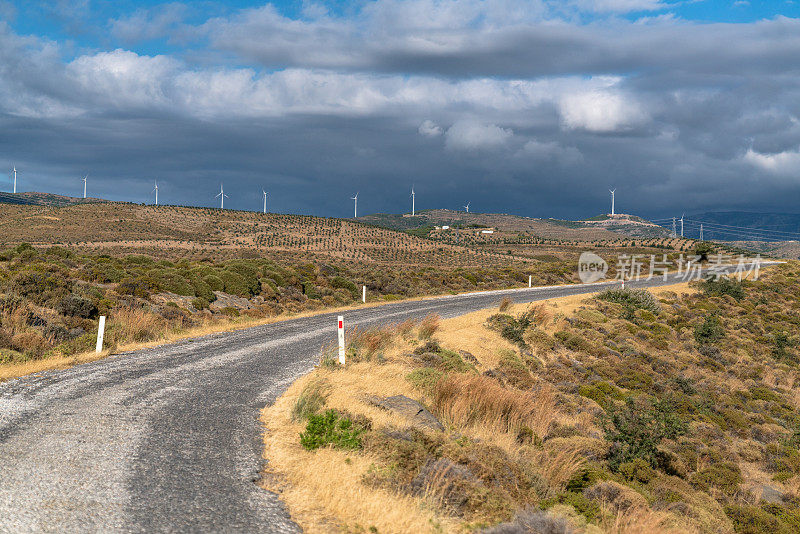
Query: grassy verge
column 525, row 395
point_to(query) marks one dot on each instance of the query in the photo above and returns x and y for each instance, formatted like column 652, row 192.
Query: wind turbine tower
column 84, row 185
column 467, row 207
column 265, row 200
column 221, row 196
column 156, row 191
column 612, row 191
column 355, row 206
column 413, row 199
column 15, row 178
column 682, row 214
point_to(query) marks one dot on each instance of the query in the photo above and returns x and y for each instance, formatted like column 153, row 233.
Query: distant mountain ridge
column 602, row 226
column 767, row 222
column 45, row 199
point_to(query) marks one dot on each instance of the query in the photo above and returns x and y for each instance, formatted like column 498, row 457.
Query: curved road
column 168, row 439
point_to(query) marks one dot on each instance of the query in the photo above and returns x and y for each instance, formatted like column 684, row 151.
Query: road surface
column 167, row 439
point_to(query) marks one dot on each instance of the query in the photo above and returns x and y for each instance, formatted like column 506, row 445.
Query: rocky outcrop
column 416, row 414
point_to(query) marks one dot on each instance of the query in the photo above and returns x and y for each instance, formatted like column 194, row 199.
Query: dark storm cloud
column 498, row 103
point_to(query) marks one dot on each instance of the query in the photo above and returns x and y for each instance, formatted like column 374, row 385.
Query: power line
column 749, row 228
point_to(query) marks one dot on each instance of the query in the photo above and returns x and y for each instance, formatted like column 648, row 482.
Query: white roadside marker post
column 364, row 294
column 530, row 281
column 101, row 326
column 341, row 340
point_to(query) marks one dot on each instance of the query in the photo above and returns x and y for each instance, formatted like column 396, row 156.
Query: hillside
column 629, row 225
column 530, row 237
column 627, row 412
column 44, row 199
column 116, row 227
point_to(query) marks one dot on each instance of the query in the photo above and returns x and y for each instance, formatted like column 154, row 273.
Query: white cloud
column 620, row 6
column 428, row 128
column 600, row 110
column 469, row 135
column 787, row 162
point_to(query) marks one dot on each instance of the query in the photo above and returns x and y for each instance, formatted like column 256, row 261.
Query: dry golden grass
column 478, row 407
column 324, row 490
column 636, row 520
column 467, row 401
column 15, row 370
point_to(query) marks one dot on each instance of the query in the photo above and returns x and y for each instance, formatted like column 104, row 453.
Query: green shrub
column 723, row 286
column 602, row 393
column 171, row 280
column 424, row 379
column 512, row 328
column 331, row 428
column 572, row 341
column 723, row 476
column 201, row 288
column 582, row 504
column 632, row 298
column 710, row 331
column 214, row 282
column 703, row 249
column 41, row 287
column 276, row 277
column 637, row 470
column 755, row 520
column 339, row 282
column 637, row 431
column 249, row 275
column 453, row 362
column 781, row 342
column 76, row 306
column 230, row 311
column 200, row 303
column 235, row 284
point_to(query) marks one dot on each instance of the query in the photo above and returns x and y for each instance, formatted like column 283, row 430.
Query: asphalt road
column 168, row 439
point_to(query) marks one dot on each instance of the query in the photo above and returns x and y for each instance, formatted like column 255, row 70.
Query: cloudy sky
column 533, row 107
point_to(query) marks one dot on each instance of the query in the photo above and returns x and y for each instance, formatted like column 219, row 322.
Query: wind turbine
column 265, row 200
column 413, row 199
column 15, row 178
column 682, row 214
column 612, row 191
column 156, row 191
column 221, row 196
column 84, row 185
column 355, row 206
column 467, row 207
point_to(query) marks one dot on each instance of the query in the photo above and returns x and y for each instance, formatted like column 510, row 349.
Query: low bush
column 76, row 306
column 718, row 287
column 636, row 431
column 339, row 282
column 331, row 428
column 753, row 519
column 512, row 328
column 632, row 298
column 724, row 477
column 425, row 378
column 710, row 331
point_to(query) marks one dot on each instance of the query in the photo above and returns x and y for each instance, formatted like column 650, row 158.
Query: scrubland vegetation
column 51, row 297
column 676, row 411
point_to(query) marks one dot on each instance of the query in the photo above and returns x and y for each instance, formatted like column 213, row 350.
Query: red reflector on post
column 340, row 324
